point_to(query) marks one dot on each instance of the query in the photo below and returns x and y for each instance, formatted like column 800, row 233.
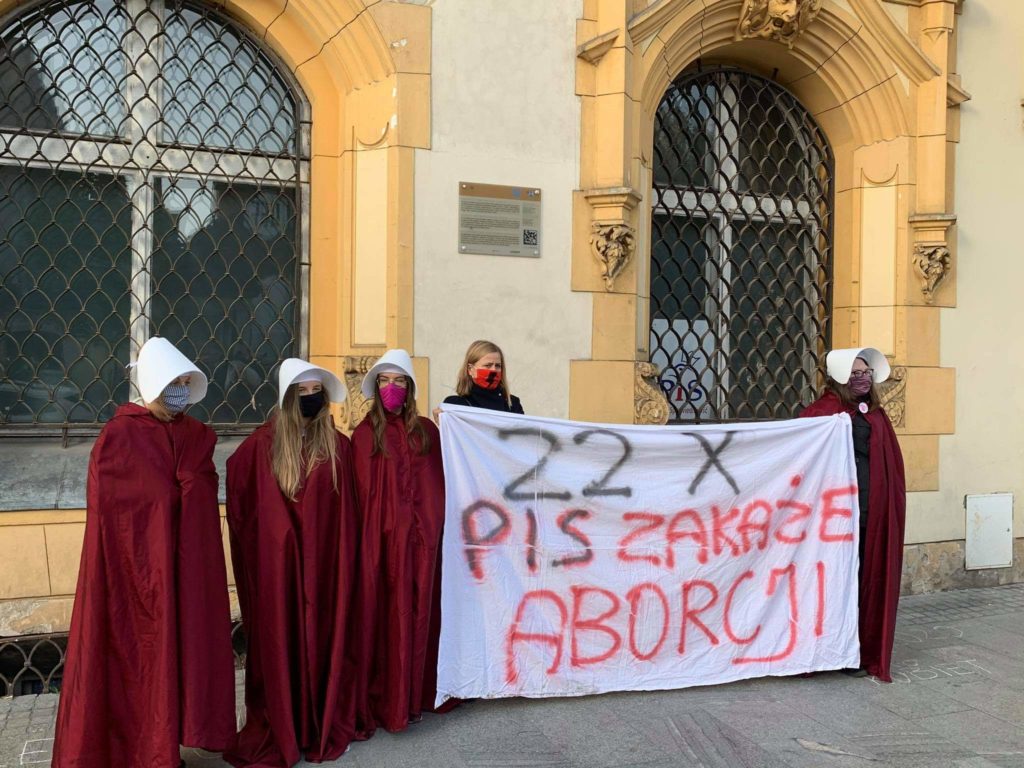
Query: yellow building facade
column 407, row 99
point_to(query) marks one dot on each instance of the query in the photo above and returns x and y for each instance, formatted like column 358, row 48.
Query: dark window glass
column 224, row 275
column 64, row 295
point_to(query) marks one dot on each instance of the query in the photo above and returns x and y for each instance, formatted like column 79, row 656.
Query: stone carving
column 779, row 20
column 612, row 245
column 355, row 407
column 649, row 403
column 933, row 263
column 893, row 394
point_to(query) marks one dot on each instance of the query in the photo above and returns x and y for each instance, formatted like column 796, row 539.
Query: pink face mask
column 860, row 387
column 393, row 397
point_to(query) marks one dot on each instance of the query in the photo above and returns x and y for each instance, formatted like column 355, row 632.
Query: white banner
column 585, row 558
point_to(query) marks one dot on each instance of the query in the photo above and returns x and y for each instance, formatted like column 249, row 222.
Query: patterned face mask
column 175, row 397
column 393, row 397
column 860, row 386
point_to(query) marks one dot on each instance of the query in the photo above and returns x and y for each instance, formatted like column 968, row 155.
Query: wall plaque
column 499, row 221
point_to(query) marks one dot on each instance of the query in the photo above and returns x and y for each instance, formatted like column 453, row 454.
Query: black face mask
column 311, row 405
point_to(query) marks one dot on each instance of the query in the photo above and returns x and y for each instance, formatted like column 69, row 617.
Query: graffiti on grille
column 681, row 382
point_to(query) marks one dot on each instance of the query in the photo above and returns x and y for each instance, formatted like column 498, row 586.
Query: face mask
column 175, row 397
column 486, row 378
column 310, row 405
column 393, row 397
column 861, row 386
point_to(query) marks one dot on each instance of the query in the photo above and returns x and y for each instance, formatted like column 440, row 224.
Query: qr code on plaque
column 530, row 236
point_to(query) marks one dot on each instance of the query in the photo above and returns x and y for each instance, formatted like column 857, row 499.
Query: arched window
column 741, row 252
column 153, row 161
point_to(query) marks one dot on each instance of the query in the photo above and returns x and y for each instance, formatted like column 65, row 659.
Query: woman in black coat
column 483, row 380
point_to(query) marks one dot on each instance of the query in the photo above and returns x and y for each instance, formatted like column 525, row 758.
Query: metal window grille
column 33, row 664
column 153, row 181
column 741, row 253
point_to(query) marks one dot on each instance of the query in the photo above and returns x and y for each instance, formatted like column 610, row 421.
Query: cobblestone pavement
column 957, row 700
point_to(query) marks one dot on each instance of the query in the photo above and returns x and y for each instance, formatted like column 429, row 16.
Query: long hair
column 479, row 348
column 848, row 399
column 418, row 437
column 294, row 456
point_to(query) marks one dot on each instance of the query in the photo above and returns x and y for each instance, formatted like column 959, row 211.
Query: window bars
column 153, row 181
column 34, row 664
column 741, row 253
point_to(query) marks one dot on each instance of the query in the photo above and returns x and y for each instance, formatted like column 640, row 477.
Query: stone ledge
column 52, row 615
column 39, row 473
column 939, row 566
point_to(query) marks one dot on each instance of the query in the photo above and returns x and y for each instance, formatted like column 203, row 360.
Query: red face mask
column 487, row 379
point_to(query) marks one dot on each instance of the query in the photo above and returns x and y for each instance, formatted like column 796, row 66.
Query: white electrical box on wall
column 989, row 530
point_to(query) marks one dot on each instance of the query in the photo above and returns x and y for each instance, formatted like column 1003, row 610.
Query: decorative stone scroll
column 355, row 407
column 893, row 393
column 649, row 403
column 779, row 20
column 931, row 256
column 933, row 263
column 613, row 245
column 612, row 235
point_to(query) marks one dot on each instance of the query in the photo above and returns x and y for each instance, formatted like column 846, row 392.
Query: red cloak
column 149, row 662
column 883, row 546
column 401, row 501
column 294, row 566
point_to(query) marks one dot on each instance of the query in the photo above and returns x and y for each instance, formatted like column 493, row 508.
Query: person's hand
column 437, row 415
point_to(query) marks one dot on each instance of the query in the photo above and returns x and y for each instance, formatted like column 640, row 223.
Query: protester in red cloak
column 850, row 388
column 149, row 662
column 292, row 519
column 400, row 485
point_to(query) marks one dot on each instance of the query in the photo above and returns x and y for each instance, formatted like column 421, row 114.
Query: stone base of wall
column 52, row 615
column 939, row 566
column 35, row 616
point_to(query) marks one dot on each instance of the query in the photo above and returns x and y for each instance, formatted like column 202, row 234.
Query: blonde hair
column 410, row 417
column 479, row 348
column 295, row 455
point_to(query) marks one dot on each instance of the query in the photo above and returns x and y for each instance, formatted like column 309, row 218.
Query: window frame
column 720, row 210
column 131, row 156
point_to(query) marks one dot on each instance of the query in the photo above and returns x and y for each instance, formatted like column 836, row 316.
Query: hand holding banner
column 586, row 558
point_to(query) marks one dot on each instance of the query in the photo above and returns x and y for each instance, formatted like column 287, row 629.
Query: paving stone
column 994, row 665
column 853, row 716
column 708, row 741
column 908, row 702
column 977, row 731
column 985, row 696
column 1014, row 622
column 23, row 703
column 976, row 762
column 918, row 748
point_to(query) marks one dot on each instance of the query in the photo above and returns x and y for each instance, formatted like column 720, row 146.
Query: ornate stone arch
column 885, row 93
